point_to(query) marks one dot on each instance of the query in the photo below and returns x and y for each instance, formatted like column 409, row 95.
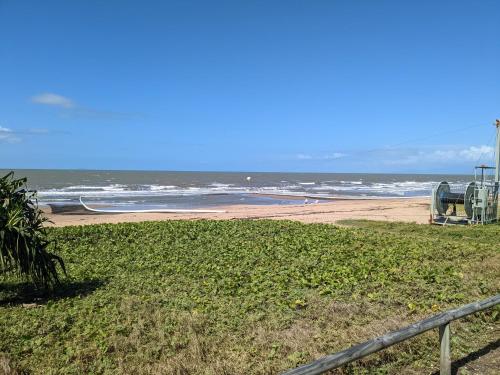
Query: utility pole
column 497, row 153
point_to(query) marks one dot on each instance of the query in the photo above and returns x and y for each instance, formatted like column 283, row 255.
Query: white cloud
column 304, row 157
column 471, row 153
column 76, row 110
column 475, row 153
column 4, row 132
column 7, row 135
column 449, row 155
column 53, row 100
column 335, row 155
column 332, row 156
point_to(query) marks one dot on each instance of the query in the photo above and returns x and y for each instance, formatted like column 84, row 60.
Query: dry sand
column 407, row 210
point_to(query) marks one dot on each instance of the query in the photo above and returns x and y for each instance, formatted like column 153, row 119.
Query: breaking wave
column 319, row 189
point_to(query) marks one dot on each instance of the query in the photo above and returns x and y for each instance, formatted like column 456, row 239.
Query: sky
column 311, row 86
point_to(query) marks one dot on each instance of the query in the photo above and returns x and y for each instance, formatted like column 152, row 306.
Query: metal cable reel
column 444, row 197
column 440, row 201
column 479, row 199
column 469, row 199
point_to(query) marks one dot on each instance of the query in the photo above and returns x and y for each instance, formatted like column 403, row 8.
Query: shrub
column 23, row 239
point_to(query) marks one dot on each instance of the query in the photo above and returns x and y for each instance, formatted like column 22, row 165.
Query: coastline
column 386, row 209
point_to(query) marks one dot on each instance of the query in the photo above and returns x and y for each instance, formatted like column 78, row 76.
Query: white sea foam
column 352, row 182
column 161, row 187
column 401, row 188
column 315, row 189
column 219, row 185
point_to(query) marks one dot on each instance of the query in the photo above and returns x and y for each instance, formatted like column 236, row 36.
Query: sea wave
column 355, row 188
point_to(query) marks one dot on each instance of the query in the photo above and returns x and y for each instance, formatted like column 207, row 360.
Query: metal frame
column 480, row 199
column 483, row 205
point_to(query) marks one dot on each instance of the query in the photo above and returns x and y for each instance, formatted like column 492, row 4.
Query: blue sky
column 320, row 86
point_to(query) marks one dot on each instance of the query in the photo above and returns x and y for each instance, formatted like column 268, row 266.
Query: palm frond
column 23, row 238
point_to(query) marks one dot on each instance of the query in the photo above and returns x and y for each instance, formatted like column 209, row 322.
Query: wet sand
column 397, row 209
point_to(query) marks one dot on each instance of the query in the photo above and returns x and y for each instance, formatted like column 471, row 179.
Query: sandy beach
column 397, row 209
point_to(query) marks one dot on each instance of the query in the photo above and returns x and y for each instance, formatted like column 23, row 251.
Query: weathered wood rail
column 441, row 321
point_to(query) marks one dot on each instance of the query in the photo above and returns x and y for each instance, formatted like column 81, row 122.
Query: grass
column 247, row 297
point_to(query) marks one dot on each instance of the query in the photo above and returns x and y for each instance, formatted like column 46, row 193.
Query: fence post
column 444, row 340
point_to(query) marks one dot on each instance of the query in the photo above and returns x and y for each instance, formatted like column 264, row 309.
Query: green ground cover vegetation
column 247, row 297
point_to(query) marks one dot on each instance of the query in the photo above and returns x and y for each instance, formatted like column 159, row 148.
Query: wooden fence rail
column 441, row 321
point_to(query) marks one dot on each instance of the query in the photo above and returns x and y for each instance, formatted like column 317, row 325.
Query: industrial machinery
column 477, row 203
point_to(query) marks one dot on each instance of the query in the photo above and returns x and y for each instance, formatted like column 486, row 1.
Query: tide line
column 159, row 210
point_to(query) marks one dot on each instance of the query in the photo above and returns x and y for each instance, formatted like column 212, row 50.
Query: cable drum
column 445, row 197
column 469, row 199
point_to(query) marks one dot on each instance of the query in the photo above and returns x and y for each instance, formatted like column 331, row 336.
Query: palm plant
column 23, row 238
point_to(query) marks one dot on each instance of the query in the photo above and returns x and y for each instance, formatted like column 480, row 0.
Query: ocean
column 181, row 190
